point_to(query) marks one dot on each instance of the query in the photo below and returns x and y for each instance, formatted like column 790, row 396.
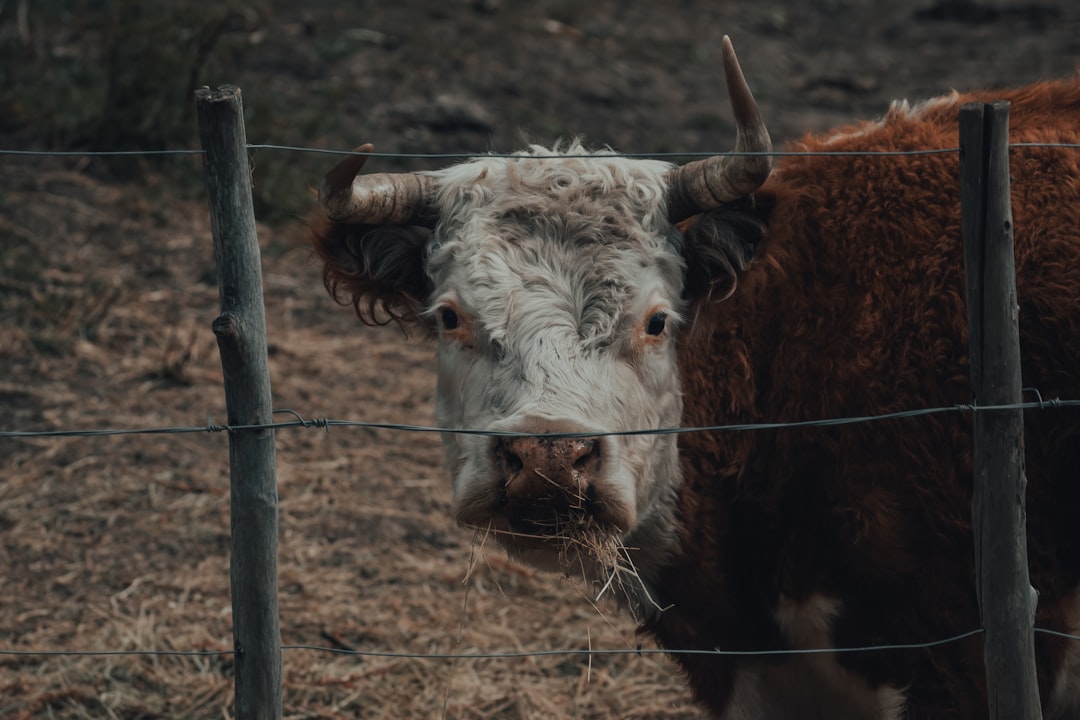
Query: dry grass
column 121, row 543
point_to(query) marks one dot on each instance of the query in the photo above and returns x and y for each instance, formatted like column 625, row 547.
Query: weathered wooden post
column 241, row 337
column 1006, row 598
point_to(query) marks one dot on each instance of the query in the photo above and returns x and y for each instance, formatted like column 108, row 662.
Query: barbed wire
column 327, row 423
column 475, row 155
column 510, row 654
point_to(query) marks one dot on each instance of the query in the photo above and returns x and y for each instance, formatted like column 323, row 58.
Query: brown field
column 107, row 292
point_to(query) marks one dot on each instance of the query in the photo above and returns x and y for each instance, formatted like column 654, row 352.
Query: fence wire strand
column 516, row 156
column 327, row 423
column 497, row 655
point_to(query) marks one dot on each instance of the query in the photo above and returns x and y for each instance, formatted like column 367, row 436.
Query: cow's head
column 556, row 282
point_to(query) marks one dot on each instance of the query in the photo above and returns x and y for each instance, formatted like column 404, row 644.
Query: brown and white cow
column 601, row 294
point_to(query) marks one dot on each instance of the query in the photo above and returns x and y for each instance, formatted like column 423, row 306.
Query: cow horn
column 377, row 199
column 709, row 183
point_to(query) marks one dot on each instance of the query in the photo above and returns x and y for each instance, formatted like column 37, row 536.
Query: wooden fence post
column 1006, row 598
column 241, row 337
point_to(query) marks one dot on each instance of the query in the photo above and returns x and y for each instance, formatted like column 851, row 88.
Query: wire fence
column 591, row 652
column 327, row 423
column 323, row 423
column 518, row 156
column 522, row 653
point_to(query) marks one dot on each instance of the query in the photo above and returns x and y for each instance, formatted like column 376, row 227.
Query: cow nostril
column 514, row 464
column 587, row 455
column 510, row 459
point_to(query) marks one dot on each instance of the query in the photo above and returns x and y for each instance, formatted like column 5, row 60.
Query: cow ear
column 378, row 269
column 720, row 244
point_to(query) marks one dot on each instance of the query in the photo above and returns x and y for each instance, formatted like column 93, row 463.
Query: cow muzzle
column 554, row 490
column 547, row 481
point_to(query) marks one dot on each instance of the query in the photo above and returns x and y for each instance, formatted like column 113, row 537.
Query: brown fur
column 856, row 307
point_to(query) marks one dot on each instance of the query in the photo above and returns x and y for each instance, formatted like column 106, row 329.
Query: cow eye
column 449, row 318
column 657, row 323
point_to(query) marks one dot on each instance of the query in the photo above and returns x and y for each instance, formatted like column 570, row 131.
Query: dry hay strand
column 590, row 555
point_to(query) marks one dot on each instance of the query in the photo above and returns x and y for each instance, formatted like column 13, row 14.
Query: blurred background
column 107, row 292
column 474, row 75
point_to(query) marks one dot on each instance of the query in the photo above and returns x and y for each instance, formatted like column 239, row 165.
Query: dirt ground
column 107, row 291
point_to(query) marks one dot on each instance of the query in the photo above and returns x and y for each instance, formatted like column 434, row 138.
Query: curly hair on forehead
column 542, row 179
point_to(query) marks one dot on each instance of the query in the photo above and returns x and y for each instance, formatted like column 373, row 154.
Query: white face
column 557, row 303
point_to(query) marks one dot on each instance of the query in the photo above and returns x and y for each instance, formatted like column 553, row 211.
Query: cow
column 580, row 299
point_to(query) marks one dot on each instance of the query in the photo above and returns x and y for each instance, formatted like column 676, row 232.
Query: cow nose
column 544, row 477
